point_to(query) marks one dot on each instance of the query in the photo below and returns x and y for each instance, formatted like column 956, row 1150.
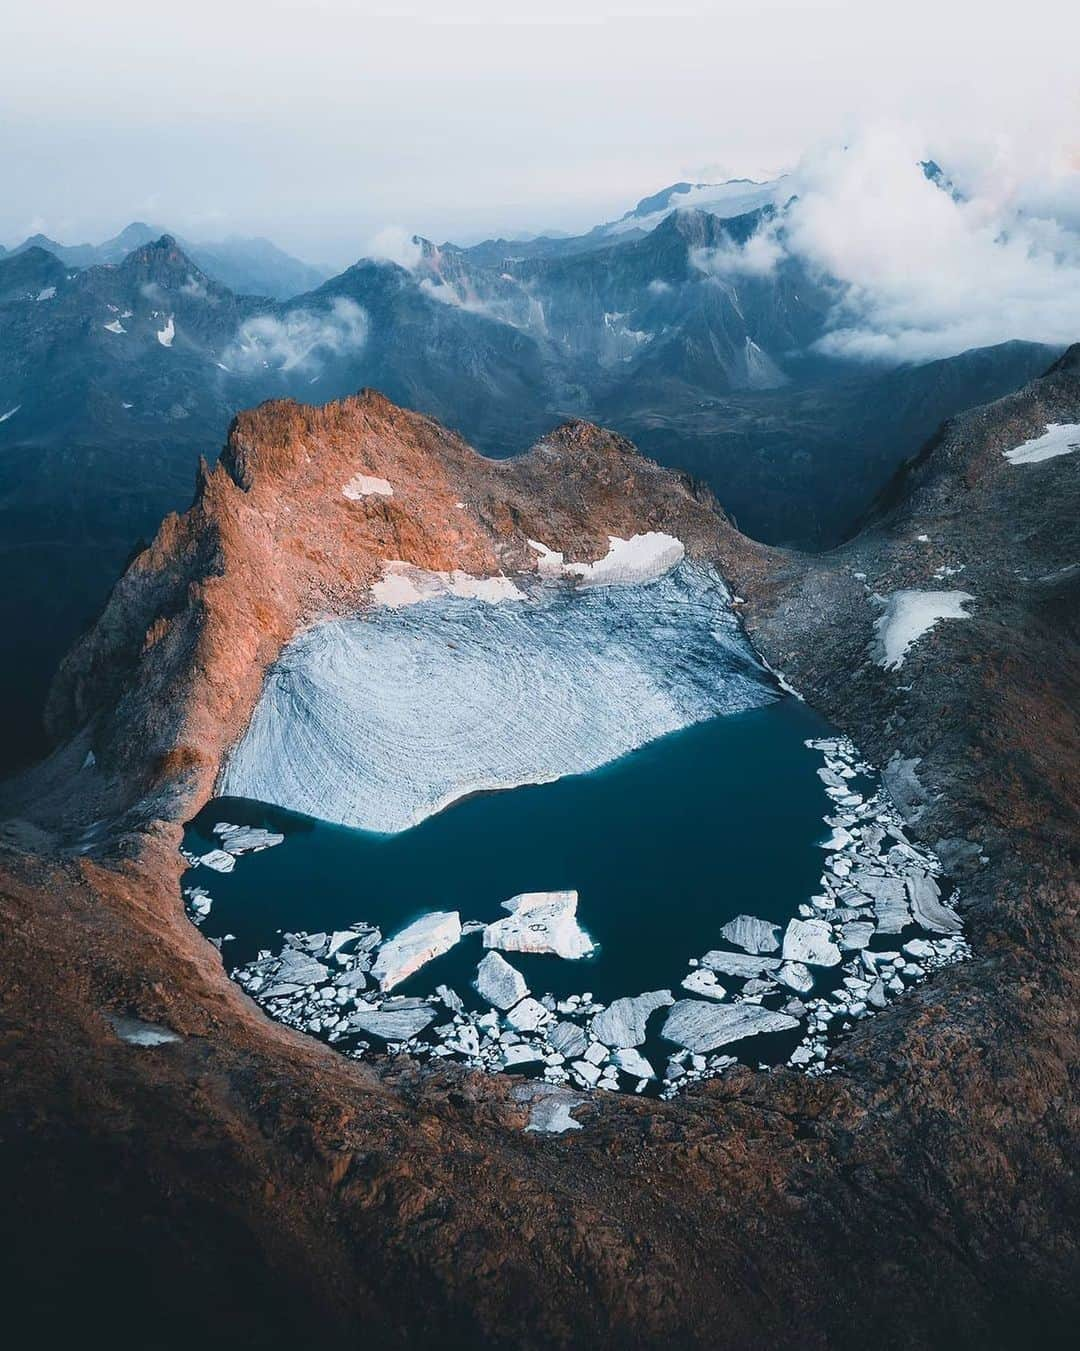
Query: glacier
column 382, row 720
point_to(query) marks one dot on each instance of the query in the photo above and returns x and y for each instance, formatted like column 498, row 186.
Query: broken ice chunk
column 543, row 922
column 419, row 942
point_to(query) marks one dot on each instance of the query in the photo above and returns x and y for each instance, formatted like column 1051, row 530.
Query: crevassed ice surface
column 378, row 722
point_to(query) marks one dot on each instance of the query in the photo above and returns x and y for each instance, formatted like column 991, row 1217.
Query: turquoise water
column 663, row 846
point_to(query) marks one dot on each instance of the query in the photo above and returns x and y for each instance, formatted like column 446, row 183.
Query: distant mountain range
column 118, row 373
column 248, row 266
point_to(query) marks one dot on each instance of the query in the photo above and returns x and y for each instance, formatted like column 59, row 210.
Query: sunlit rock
column 752, row 934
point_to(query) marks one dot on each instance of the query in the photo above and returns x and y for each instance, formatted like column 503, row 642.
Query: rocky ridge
column 924, row 1193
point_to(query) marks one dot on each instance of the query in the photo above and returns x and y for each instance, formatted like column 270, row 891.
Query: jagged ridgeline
column 122, row 364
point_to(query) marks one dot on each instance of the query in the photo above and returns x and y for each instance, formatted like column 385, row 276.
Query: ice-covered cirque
column 379, row 721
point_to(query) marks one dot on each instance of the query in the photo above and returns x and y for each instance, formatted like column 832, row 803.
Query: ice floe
column 426, row 938
column 810, row 941
column 1060, row 438
column 751, row 934
column 501, row 984
column 881, row 921
column 622, row 1023
column 700, row 1026
column 366, row 485
column 246, row 839
column 907, row 616
column 540, row 921
column 381, row 721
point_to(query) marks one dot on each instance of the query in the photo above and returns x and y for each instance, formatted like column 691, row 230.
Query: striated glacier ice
column 380, row 721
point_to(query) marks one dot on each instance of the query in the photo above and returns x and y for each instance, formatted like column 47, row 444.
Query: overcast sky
column 319, row 122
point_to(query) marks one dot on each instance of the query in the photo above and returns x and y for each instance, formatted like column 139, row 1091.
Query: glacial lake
column 664, row 846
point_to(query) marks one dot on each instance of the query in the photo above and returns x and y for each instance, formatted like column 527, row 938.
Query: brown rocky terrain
column 248, row 1186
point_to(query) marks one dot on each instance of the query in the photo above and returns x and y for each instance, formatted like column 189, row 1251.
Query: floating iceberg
column 381, row 721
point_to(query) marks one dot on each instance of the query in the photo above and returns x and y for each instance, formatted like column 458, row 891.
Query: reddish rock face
column 246, row 1185
column 168, row 677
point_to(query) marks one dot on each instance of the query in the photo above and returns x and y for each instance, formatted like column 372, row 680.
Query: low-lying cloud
column 298, row 341
column 923, row 273
column 758, row 256
column 393, row 244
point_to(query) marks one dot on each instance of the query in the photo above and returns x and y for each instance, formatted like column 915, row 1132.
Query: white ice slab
column 1060, row 438
column 541, row 922
column 416, row 945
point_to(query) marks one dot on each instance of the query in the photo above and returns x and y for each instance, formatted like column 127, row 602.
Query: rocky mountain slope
column 115, row 378
column 247, row 266
column 243, row 1182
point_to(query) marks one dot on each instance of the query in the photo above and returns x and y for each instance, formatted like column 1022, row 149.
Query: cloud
column 438, row 289
column 758, row 256
column 921, row 274
column 395, row 245
column 300, row 340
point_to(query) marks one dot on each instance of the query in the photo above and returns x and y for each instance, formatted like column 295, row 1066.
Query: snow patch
column 641, row 558
column 404, row 584
column 910, row 614
column 115, row 326
column 46, row 293
column 1060, row 438
column 165, row 335
column 10, row 412
column 366, row 485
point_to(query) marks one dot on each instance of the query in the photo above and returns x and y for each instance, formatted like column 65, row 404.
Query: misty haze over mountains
column 788, row 342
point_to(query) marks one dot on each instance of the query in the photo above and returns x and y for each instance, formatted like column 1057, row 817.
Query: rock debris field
column 881, row 920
